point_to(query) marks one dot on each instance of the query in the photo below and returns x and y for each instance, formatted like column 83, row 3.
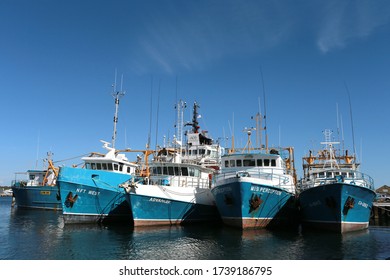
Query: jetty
column 380, row 210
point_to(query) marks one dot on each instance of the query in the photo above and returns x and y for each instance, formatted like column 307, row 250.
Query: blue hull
column 151, row 211
column 337, row 207
column 38, row 197
column 93, row 196
column 247, row 205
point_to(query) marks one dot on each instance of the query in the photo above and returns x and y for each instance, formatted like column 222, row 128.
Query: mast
column 195, row 123
column 265, row 112
column 350, row 113
column 180, row 106
column 248, row 145
column 117, row 95
column 330, row 158
column 150, row 116
column 258, row 120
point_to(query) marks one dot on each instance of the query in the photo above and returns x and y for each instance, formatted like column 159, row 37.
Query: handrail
column 359, row 178
column 180, row 181
column 282, row 179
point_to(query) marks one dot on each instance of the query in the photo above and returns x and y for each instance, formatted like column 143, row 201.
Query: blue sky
column 58, row 63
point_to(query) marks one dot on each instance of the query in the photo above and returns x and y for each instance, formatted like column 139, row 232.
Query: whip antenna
column 265, row 111
column 350, row 113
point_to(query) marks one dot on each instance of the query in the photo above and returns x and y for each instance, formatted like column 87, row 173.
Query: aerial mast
column 265, row 112
column 117, row 95
column 180, row 106
column 258, row 119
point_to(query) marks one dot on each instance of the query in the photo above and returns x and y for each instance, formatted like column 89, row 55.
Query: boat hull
column 93, row 196
column 158, row 205
column 336, row 207
column 37, row 197
column 244, row 204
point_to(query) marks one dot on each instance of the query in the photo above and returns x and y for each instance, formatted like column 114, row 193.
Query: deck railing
column 354, row 178
column 180, row 181
column 268, row 174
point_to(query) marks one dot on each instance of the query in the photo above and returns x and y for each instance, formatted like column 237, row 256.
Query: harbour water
column 42, row 235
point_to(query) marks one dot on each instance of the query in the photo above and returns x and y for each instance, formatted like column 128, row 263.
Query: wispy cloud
column 188, row 35
column 341, row 22
column 193, row 35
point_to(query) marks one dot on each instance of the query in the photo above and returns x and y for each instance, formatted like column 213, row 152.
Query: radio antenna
column 350, row 113
column 158, row 109
column 117, row 95
column 150, row 113
column 265, row 111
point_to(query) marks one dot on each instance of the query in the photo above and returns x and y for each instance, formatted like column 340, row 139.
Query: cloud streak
column 193, row 35
column 342, row 22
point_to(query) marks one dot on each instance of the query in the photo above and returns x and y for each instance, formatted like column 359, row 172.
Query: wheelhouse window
column 184, row 171
column 232, row 163
column 273, row 162
column 226, row 163
column 259, row 162
column 196, row 173
column 249, row 162
column 239, row 163
column 266, row 162
column 177, row 171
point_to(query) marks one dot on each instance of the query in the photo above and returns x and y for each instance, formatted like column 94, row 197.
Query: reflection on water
column 39, row 234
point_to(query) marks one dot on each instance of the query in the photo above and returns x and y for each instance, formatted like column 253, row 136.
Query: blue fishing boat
column 171, row 193
column 92, row 194
column 334, row 195
column 175, row 188
column 256, row 187
column 38, row 190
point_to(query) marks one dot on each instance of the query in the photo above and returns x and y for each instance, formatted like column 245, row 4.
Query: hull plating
column 244, row 205
column 336, row 207
column 39, row 197
column 156, row 205
column 90, row 196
